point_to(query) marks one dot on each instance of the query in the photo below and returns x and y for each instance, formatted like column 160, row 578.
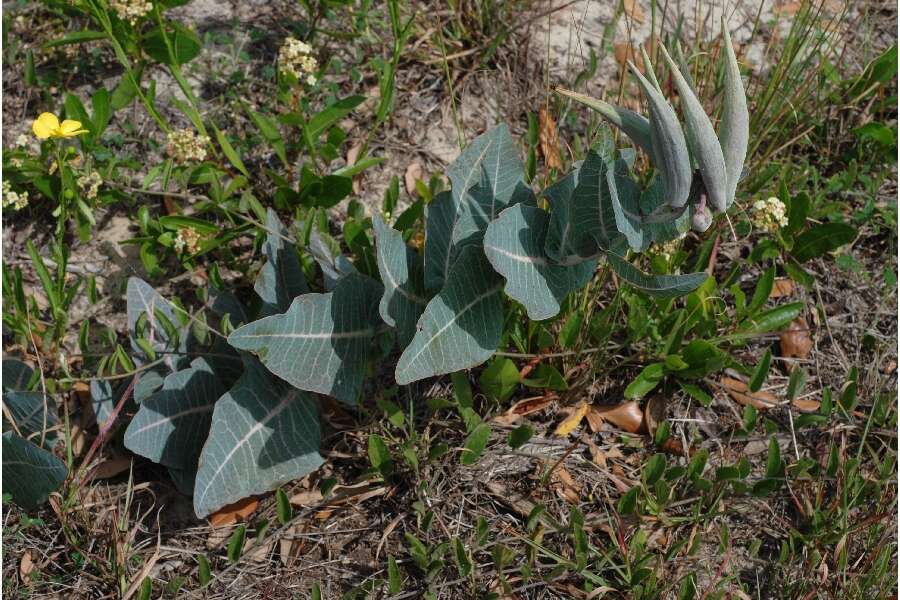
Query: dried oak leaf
column 572, row 421
column 783, row 287
column 738, row 390
column 795, row 340
column 239, row 511
column 627, row 416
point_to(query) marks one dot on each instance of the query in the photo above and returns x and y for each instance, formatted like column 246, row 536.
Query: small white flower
column 187, row 240
column 295, row 57
column 22, row 141
column 769, row 215
column 89, row 184
column 186, row 146
column 11, row 199
column 131, row 10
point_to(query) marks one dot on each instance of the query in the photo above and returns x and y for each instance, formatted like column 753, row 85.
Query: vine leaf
column 170, row 426
column 321, row 343
column 402, row 274
column 514, row 245
column 659, row 286
column 30, row 473
column 461, row 326
column 281, row 279
column 264, row 433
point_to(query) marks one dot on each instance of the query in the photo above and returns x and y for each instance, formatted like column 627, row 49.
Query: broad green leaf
column 184, row 479
column 646, row 381
column 236, row 544
column 33, row 413
column 659, row 286
column 672, row 222
column 171, row 425
column 268, row 127
column 30, row 474
column 264, row 433
column 500, row 379
column 379, row 456
column 821, row 239
column 762, row 291
column 519, row 436
column 321, row 343
column 546, row 376
column 734, row 128
column 100, row 117
column 773, row 319
column 281, row 279
column 461, row 326
column 514, row 245
column 669, row 148
column 16, row 375
column 185, row 44
column 701, row 139
column 105, row 397
column 332, row 114
column 402, row 274
column 582, row 217
column 625, row 198
column 475, row 444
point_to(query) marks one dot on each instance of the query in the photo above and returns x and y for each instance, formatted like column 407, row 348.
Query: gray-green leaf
column 170, row 426
column 461, row 326
column 33, row 412
column 659, row 286
column 702, row 139
column 30, row 474
column 281, row 279
column 514, row 245
column 321, row 343
column 669, row 148
column 263, row 434
column 402, row 274
column 16, row 374
column 735, row 125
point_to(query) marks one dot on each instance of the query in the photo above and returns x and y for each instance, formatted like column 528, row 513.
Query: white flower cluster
column 187, row 239
column 770, row 214
column 89, row 184
column 185, row 146
column 295, row 57
column 668, row 249
column 131, row 10
column 16, row 200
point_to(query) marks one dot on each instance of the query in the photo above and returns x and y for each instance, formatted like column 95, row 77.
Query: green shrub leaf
column 402, row 274
column 281, row 279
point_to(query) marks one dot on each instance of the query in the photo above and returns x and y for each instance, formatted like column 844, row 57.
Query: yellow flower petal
column 70, row 128
column 45, row 125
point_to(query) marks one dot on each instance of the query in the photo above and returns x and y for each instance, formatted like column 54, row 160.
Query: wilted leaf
column 549, row 138
column 654, row 412
column 795, row 340
column 239, row 511
column 524, row 407
column 738, row 390
column 572, row 421
column 414, row 172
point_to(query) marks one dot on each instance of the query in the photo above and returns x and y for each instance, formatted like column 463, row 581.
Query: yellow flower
column 47, row 126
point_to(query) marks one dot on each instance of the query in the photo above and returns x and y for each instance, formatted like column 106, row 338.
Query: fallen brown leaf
column 111, row 467
column 783, row 286
column 414, row 172
column 565, row 485
column 795, row 340
column 352, row 157
column 595, row 421
column 627, row 416
column 654, row 413
column 737, row 389
column 309, row 498
column 634, row 10
column 807, row 405
column 239, row 511
column 569, row 424
column 26, row 566
column 549, row 138
column 524, row 407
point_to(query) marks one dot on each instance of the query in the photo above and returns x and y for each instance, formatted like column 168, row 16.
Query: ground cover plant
column 586, row 353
